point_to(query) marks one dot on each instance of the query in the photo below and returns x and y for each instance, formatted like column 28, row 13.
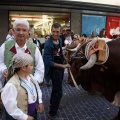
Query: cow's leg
column 118, row 115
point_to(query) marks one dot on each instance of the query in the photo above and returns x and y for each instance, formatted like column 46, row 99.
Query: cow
column 104, row 78
column 75, row 44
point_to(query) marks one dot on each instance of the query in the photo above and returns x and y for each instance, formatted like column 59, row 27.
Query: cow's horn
column 90, row 62
column 74, row 49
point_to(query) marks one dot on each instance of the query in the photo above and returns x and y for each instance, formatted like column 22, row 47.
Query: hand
column 40, row 108
column 66, row 66
column 30, row 118
column 5, row 72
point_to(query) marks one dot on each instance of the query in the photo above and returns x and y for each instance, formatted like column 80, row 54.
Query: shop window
column 92, row 23
column 40, row 23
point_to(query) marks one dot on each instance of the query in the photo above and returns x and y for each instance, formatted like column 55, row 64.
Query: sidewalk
column 79, row 105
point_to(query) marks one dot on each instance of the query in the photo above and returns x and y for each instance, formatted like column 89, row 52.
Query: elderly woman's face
column 21, row 32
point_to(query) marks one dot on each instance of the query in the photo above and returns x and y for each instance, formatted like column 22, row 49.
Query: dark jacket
column 48, row 57
column 40, row 47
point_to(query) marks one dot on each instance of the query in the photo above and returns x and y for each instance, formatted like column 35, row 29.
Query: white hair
column 21, row 21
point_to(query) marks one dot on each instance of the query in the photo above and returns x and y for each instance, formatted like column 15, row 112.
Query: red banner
column 112, row 26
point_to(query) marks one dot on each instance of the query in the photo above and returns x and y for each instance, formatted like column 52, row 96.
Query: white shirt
column 38, row 44
column 10, row 37
column 9, row 95
column 67, row 42
column 39, row 65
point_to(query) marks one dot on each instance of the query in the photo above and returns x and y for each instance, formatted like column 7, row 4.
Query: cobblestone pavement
column 79, row 105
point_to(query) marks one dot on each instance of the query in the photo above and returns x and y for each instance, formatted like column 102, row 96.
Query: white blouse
column 67, row 42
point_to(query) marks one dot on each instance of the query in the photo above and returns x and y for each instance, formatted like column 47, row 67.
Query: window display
column 40, row 23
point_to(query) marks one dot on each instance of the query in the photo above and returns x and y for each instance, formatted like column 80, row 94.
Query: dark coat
column 40, row 46
column 48, row 57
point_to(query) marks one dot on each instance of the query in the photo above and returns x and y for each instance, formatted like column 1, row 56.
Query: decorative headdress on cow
column 19, row 60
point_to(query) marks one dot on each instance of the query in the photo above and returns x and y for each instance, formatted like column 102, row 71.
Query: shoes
column 54, row 118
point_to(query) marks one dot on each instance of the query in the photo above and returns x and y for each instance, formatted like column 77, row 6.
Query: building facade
column 76, row 16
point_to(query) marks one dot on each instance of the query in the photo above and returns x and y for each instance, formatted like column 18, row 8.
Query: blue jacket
column 48, row 57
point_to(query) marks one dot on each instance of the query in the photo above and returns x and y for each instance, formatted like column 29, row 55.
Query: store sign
column 112, row 26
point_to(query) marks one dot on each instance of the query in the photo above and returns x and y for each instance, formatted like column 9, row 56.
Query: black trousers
column 56, row 95
column 8, row 117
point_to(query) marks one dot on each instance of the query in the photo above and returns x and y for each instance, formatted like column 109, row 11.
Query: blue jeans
column 56, row 95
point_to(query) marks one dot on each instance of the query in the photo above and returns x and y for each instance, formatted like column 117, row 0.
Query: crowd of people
column 25, row 63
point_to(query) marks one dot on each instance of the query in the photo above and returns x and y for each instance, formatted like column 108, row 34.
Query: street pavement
column 79, row 104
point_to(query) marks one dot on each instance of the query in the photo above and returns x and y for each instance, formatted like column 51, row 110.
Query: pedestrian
column 42, row 46
column 102, row 33
column 22, row 92
column 37, row 42
column 67, row 40
column 10, row 35
column 54, row 69
column 62, row 36
column 20, row 43
column 29, row 38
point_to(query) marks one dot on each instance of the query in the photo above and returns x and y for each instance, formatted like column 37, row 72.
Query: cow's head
column 75, row 44
column 76, row 63
column 79, row 63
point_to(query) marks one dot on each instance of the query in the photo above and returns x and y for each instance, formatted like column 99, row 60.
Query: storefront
column 40, row 22
column 41, row 15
